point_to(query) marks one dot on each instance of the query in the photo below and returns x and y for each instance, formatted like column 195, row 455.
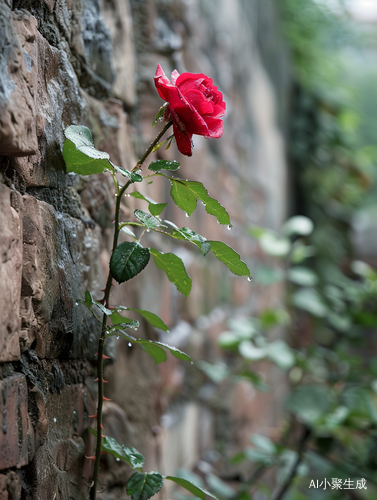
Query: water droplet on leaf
column 117, row 337
column 117, row 459
column 230, row 227
column 54, row 417
column 249, row 278
column 129, row 344
column 187, row 215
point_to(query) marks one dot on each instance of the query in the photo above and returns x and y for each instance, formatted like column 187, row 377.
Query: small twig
column 300, row 452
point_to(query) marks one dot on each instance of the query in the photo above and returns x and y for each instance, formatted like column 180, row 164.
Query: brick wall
column 88, row 62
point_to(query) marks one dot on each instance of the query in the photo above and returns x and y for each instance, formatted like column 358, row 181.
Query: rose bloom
column 194, row 105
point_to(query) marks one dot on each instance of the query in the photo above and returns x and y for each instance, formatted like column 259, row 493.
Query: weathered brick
column 3, row 488
column 10, row 273
column 60, row 264
column 14, row 422
column 17, row 107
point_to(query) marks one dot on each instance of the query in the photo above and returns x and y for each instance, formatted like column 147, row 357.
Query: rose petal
column 174, row 77
column 202, row 105
column 215, row 127
column 219, row 110
column 187, row 81
column 193, row 122
column 162, row 83
column 184, row 142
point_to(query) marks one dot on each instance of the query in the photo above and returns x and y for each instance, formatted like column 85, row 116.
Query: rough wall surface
column 92, row 62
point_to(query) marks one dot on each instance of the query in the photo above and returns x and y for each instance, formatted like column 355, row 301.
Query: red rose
column 194, row 105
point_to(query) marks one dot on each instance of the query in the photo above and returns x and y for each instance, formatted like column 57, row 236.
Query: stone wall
column 88, row 62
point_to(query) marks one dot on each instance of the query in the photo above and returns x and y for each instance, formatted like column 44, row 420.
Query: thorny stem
column 101, row 345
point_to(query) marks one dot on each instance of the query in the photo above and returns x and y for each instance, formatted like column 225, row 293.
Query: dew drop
column 249, row 278
column 74, row 412
column 117, row 459
column 76, row 303
column 107, row 332
column 54, row 417
column 117, row 337
column 129, row 344
column 128, row 195
column 187, row 215
column 230, row 227
column 148, row 230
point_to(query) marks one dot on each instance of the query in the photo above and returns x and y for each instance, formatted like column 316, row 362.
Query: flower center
column 207, row 92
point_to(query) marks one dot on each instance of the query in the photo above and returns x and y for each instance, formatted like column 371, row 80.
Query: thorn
column 105, row 357
column 102, row 427
column 106, row 399
column 90, row 458
column 96, row 354
column 105, row 381
column 102, row 436
column 92, row 416
column 103, row 452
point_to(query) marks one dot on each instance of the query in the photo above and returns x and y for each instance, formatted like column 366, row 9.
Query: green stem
column 101, row 345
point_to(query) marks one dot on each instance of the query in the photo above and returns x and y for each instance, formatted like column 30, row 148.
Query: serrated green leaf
column 148, row 220
column 187, row 234
column 159, row 115
column 117, row 329
column 156, row 350
column 192, row 488
column 79, row 153
column 133, row 176
column 143, row 485
column 157, row 353
column 128, row 260
column 174, row 269
column 186, row 193
column 230, row 258
column 130, row 455
column 154, row 207
column 175, row 352
column 158, row 165
column 102, row 308
column 88, row 299
column 128, row 231
column 152, row 318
